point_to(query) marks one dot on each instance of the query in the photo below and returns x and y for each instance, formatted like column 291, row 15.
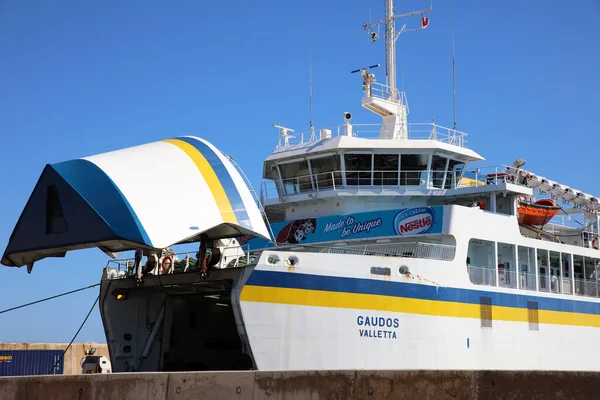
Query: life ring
column 166, row 263
column 595, row 243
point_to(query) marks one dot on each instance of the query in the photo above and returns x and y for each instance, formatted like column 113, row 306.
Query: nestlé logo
column 414, row 221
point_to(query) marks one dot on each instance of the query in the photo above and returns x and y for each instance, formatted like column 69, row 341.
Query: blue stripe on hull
column 415, row 291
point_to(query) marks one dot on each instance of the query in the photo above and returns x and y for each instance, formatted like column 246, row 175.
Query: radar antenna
column 368, row 78
column 283, row 133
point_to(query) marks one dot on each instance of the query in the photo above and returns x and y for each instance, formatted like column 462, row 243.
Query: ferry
column 368, row 247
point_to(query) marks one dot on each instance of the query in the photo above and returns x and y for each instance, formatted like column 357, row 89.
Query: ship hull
column 298, row 321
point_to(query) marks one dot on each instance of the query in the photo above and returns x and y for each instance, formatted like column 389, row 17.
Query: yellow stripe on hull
column 320, row 298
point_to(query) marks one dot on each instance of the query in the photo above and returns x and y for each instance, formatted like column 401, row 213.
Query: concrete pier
column 342, row 385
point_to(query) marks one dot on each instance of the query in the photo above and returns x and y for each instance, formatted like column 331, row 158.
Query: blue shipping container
column 31, row 362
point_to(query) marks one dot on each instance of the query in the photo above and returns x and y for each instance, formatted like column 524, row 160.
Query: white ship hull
column 301, row 329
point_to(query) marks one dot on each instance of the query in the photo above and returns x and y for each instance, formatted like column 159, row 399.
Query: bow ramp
column 151, row 197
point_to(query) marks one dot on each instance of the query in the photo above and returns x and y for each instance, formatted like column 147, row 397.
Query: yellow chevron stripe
column 210, row 177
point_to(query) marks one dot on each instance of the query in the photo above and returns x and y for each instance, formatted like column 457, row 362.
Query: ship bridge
column 355, row 161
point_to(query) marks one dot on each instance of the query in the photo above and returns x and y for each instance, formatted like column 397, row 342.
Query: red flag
column 424, row 22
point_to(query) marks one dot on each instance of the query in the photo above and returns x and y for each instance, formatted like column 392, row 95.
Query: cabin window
column 413, row 169
column 358, row 169
column 507, row 276
column 485, row 311
column 591, row 276
column 543, row 270
column 55, row 219
column 480, row 262
column 567, row 273
column 296, row 177
column 555, row 275
column 578, row 275
column 385, row 169
column 326, row 171
column 455, row 170
column 438, row 169
column 533, row 315
column 526, row 268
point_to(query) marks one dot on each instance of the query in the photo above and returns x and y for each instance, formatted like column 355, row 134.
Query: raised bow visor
column 151, row 196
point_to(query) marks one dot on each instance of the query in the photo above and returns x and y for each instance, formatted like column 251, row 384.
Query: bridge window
column 413, row 169
column 480, row 262
column 438, row 169
column 296, row 177
column 358, row 169
column 455, row 170
column 385, row 170
column 326, row 171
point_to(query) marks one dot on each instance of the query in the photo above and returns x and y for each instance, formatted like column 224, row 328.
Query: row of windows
column 521, row 267
column 370, row 170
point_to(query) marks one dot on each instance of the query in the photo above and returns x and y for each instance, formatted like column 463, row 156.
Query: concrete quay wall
column 296, row 385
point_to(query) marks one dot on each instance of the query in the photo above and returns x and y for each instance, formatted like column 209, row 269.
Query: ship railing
column 527, row 281
column 507, row 278
column 432, row 251
column 335, row 180
column 566, row 287
column 239, row 256
column 482, row 275
column 491, row 175
column 587, row 287
column 495, row 175
column 385, row 92
column 554, row 284
column 416, row 131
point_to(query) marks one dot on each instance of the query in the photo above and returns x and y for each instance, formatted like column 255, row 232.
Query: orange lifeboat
column 538, row 213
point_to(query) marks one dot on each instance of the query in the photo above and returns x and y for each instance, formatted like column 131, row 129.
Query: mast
column 390, row 44
column 385, row 100
column 453, row 71
column 390, row 40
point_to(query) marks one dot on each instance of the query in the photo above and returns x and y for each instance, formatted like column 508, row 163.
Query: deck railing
column 527, row 281
column 433, row 251
column 335, row 180
column 482, row 275
column 239, row 256
column 416, row 131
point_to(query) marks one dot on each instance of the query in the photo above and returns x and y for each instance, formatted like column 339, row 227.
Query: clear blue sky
column 81, row 78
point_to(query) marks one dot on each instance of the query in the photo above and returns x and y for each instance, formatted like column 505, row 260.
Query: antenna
column 312, row 128
column 391, row 36
column 453, row 71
